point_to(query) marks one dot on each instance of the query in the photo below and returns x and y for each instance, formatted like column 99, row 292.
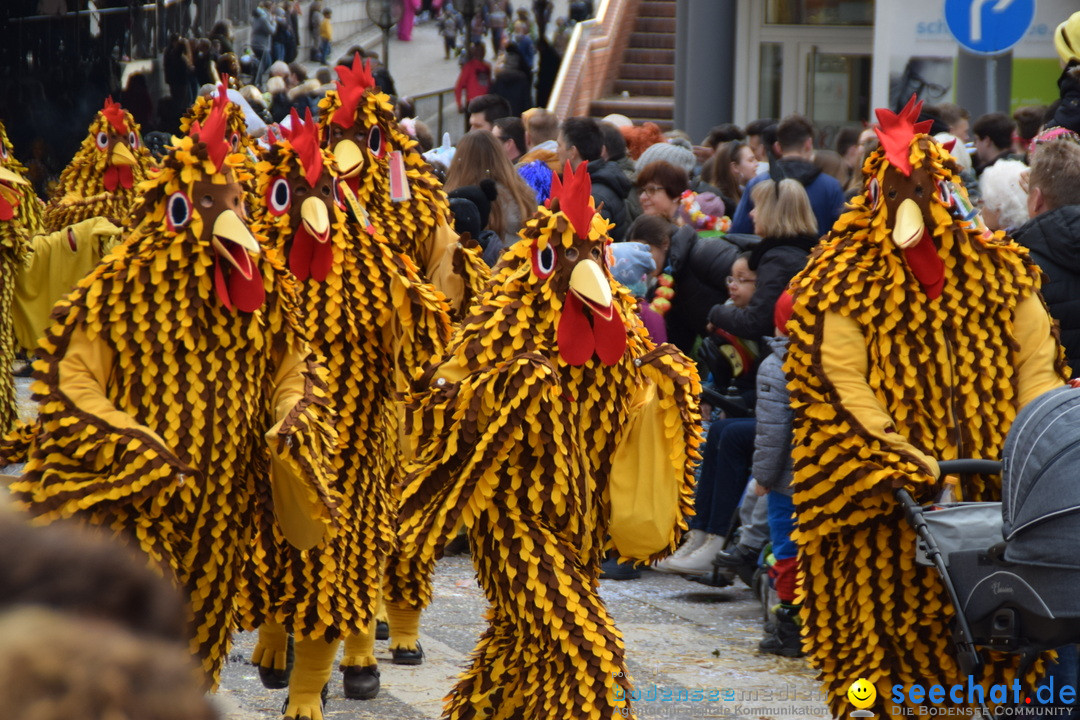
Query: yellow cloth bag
column 644, row 482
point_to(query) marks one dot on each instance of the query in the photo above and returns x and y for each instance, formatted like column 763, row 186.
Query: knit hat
column 633, row 263
column 1067, row 39
column 677, row 156
column 471, row 205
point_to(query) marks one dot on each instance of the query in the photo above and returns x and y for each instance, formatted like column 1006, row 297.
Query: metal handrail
column 94, row 12
column 442, row 96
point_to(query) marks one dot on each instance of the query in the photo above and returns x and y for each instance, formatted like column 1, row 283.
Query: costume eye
column 570, row 253
column 177, row 211
column 375, row 142
column 325, row 190
column 918, row 191
column 133, row 140
column 544, row 261
column 102, row 140
column 3, row 152
column 597, row 254
column 278, row 196
column 235, row 141
column 873, row 193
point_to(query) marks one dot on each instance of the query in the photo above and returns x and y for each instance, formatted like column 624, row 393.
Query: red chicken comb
column 897, row 131
column 353, row 82
column 212, row 132
column 304, row 137
column 574, row 193
column 115, row 115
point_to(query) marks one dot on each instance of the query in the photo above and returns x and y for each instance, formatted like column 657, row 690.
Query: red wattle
column 301, row 253
column 575, row 335
column 111, row 177
column 927, row 265
column 245, row 293
column 610, row 337
column 127, row 178
column 7, row 210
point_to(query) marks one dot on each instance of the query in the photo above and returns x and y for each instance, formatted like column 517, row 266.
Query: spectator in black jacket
column 580, row 140
column 784, row 219
column 1053, row 234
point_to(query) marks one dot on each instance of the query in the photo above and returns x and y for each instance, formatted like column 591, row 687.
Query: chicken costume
column 102, row 179
column 374, row 322
column 395, row 185
column 174, row 378
column 94, row 198
column 20, row 217
column 915, row 337
column 515, row 429
column 236, row 133
column 399, row 195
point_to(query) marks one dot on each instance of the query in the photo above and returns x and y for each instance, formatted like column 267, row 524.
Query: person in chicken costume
column 20, row 217
column 236, row 132
column 520, row 429
column 916, row 336
column 94, row 198
column 374, row 322
column 102, row 179
column 175, row 386
column 394, row 184
column 397, row 193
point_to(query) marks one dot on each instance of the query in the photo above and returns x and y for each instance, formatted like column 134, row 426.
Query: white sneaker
column 692, row 540
column 699, row 562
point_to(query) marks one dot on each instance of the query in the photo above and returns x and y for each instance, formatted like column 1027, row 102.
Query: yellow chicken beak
column 349, row 158
column 229, row 228
column 121, row 155
column 7, row 180
column 909, row 226
column 316, row 219
column 587, row 281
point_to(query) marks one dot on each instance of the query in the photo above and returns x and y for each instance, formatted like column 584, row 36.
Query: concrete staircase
column 644, row 88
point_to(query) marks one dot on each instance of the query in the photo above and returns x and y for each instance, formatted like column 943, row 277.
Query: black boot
column 276, row 678
column 360, row 683
column 786, row 638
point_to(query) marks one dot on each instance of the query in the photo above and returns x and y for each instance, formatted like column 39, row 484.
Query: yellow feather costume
column 358, row 124
column 514, row 430
column 175, row 377
column 20, row 217
column 102, row 179
column 374, row 322
column 900, row 358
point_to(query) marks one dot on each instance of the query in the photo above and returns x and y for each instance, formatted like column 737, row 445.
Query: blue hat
column 633, row 263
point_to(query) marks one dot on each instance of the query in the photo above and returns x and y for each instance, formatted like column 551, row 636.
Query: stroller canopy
column 1040, row 480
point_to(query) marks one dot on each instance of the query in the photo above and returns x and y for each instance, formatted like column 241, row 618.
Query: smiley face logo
column 861, row 693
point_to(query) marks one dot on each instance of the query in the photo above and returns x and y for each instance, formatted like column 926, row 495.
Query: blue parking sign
column 988, row 27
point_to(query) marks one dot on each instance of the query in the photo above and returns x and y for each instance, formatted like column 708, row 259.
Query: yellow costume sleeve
column 1038, row 351
column 84, row 375
column 302, row 445
column 51, row 270
column 845, row 364
column 457, row 271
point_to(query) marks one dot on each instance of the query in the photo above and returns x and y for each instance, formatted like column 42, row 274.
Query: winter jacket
column 610, row 186
column 1068, row 113
column 1054, row 241
column 776, row 261
column 826, row 195
column 474, row 79
column 262, row 29
column 699, row 268
column 772, row 436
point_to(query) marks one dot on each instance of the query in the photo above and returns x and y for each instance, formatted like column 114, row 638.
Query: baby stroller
column 1012, row 568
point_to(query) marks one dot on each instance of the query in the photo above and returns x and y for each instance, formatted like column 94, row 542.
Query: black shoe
column 786, row 639
column 612, row 569
column 738, row 556
column 382, row 630
column 405, row 656
column 360, row 683
column 275, row 678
